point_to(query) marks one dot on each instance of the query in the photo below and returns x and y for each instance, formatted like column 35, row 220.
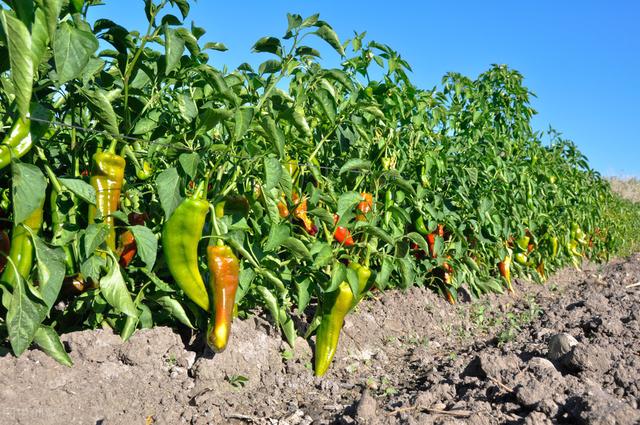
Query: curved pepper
column 505, row 271
column 21, row 251
column 180, row 237
column 107, row 176
column 335, row 308
column 421, row 226
column 223, row 283
column 17, row 142
column 342, row 234
column 301, row 214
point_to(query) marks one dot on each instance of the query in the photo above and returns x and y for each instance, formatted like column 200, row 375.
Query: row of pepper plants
column 142, row 185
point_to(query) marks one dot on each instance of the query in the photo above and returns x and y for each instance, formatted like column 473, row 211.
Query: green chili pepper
column 21, row 251
column 107, row 177
column 17, row 142
column 523, row 242
column 554, row 246
column 180, row 237
column 420, row 226
column 521, row 258
column 334, row 309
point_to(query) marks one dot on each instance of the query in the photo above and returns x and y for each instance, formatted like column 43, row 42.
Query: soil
column 566, row 352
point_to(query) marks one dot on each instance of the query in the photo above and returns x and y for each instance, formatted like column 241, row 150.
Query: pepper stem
column 113, row 146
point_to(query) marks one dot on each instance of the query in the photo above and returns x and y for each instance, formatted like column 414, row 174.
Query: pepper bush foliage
column 462, row 155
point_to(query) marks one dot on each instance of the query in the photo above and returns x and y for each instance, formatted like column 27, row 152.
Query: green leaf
column 243, row 117
column 101, row 105
column 24, row 316
column 168, row 184
column 297, row 247
column 72, row 49
column 18, row 44
column 382, row 277
column 114, row 290
column 146, row 243
column 174, row 48
column 268, row 45
column 80, row 188
column 48, row 341
column 379, row 233
column 327, row 33
column 300, row 122
column 303, row 293
column 215, row 46
column 327, row 103
column 246, row 278
column 39, row 39
column 270, row 66
column 77, row 5
column 338, row 275
column 188, row 108
column 355, row 165
column 91, row 268
column 347, row 201
column 407, row 273
column 94, row 236
column 29, row 189
column 273, row 172
column 419, row 240
column 189, row 163
column 277, row 235
column 274, row 134
column 184, row 7
column 52, row 11
column 324, row 256
column 51, row 270
column 175, row 309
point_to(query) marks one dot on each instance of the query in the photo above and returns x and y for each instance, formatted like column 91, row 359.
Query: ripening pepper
column 127, row 243
column 554, row 246
column 180, row 237
column 505, row 271
column 523, row 243
column 521, row 258
column 301, row 214
column 334, row 309
column 365, row 206
column 283, row 211
column 421, row 226
column 17, row 142
column 107, row 176
column 342, row 234
column 21, row 251
column 224, row 269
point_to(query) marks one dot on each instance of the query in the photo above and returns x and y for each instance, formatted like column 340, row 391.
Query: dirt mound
column 566, row 352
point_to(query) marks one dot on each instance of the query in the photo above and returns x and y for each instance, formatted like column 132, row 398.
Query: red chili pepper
column 301, row 214
column 365, row 206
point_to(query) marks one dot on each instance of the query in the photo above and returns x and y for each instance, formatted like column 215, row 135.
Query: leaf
column 304, row 295
column 215, row 46
column 273, row 172
column 243, row 117
column 324, row 256
column 72, row 49
column 52, row 11
column 168, row 184
column 29, row 188
column 39, row 39
column 270, row 66
column 188, row 108
column 268, row 45
column 80, row 188
column 338, row 275
column 91, row 268
column 51, row 270
column 379, row 233
column 277, row 235
column 94, row 236
column 18, row 43
column 175, row 309
column 114, row 290
column 419, row 240
column 184, row 7
column 300, row 122
column 24, row 316
column 382, row 277
column 327, row 33
column 355, row 165
column 297, row 247
column 174, row 48
column 406, row 272
column 347, row 201
column 103, row 108
column 274, row 134
column 48, row 340
column 189, row 163
column 146, row 243
column 246, row 278
column 327, row 103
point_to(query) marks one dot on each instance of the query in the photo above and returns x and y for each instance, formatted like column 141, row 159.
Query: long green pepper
column 334, row 309
column 17, row 142
column 21, row 251
column 180, row 237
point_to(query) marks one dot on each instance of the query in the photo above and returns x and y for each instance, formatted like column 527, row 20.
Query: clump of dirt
column 566, row 352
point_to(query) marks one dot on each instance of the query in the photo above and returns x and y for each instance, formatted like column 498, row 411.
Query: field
column 297, row 242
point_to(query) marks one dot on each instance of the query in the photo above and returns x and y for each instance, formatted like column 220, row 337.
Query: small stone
column 366, row 408
column 560, row 344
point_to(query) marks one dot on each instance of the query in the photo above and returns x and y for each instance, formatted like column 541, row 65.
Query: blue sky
column 582, row 59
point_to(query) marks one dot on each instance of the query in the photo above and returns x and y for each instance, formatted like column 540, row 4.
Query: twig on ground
column 500, row 384
column 633, row 285
column 456, row 413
